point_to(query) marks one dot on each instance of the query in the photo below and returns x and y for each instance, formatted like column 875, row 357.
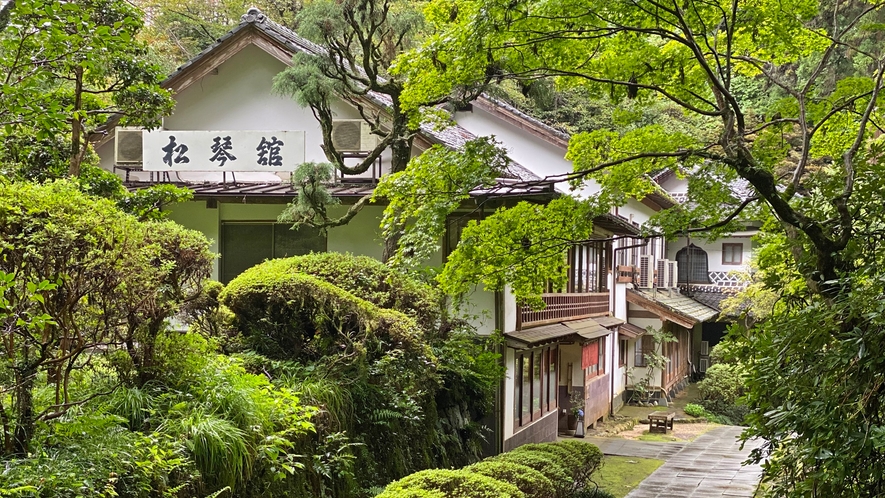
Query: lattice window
column 692, row 262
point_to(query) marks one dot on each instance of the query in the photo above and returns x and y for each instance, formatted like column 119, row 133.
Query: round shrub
column 722, row 382
column 531, row 482
column 588, row 455
column 543, row 463
column 373, row 281
column 453, row 484
column 412, row 493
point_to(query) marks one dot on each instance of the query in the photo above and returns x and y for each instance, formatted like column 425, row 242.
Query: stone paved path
column 631, row 448
column 708, row 467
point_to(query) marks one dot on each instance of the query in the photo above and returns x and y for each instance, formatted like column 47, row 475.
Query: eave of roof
column 630, row 331
column 583, row 329
column 672, row 306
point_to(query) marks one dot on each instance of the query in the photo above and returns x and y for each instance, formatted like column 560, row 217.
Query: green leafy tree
column 790, row 98
column 359, row 40
column 67, row 67
column 82, row 278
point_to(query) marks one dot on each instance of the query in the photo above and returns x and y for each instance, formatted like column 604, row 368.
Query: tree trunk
column 76, row 125
column 24, row 411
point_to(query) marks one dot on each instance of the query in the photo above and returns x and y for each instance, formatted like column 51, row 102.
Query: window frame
column 545, row 361
column 737, row 249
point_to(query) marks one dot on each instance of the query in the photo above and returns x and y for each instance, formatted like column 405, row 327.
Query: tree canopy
column 784, row 111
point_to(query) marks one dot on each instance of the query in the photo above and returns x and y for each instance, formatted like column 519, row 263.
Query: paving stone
column 709, row 467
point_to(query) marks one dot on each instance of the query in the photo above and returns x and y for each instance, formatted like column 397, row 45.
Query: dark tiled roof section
column 709, row 295
column 562, row 134
column 679, row 303
column 504, row 188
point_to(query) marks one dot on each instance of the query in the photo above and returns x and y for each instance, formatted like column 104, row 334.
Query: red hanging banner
column 590, row 355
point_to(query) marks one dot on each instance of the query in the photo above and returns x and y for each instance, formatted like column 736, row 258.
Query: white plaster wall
column 541, row 157
column 714, row 251
column 509, row 390
column 240, row 97
column 675, row 185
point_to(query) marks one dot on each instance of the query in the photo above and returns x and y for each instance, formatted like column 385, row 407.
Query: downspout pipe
column 611, row 401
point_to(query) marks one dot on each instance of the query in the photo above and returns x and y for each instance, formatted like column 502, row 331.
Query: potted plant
column 576, row 401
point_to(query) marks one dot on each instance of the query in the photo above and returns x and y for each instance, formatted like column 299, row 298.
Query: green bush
column 531, row 482
column 543, row 463
column 694, row 410
column 296, row 316
column 453, row 484
column 592, row 493
column 726, row 413
column 723, row 382
column 372, row 281
column 589, row 458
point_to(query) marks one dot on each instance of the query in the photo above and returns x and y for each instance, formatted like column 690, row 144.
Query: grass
column 658, row 438
column 619, row 475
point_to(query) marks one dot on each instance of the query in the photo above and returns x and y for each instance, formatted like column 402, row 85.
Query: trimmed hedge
column 531, row 482
column 371, row 280
column 545, row 470
column 453, row 484
column 296, row 316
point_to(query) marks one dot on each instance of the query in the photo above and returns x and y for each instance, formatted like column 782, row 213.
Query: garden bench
column 660, row 422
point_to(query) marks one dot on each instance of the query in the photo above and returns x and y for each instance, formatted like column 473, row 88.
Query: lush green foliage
column 543, row 470
column 531, row 482
column 455, row 484
column 68, row 67
column 374, row 352
column 431, row 188
column 100, row 397
column 694, row 410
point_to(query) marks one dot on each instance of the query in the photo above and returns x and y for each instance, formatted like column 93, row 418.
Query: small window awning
column 586, row 329
column 608, row 321
column 630, row 331
column 536, row 336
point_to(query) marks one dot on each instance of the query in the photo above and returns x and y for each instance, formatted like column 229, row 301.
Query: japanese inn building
column 233, row 142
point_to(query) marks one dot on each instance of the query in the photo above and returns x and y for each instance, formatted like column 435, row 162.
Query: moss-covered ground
column 619, row 475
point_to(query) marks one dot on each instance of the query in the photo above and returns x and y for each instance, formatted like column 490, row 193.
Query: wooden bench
column 660, row 423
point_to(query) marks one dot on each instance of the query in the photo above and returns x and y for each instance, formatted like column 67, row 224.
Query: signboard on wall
column 165, row 150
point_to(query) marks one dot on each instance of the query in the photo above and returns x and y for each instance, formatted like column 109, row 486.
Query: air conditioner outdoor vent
column 353, row 135
column 128, row 147
column 663, row 273
column 703, row 364
column 646, row 271
column 673, row 275
column 705, row 348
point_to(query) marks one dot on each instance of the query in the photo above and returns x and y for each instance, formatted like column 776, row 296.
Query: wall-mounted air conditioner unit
column 663, row 273
column 128, row 147
column 703, row 365
column 673, row 275
column 646, row 271
column 353, row 135
column 705, row 348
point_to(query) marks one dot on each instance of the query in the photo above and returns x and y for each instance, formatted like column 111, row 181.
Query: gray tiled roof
column 675, row 301
column 452, row 136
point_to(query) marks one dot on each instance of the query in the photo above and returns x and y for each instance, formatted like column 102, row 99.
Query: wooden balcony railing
column 561, row 307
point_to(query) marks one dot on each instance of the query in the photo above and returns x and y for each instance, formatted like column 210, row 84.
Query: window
column 692, row 261
column 622, row 353
column 593, row 358
column 536, row 384
column 244, row 245
column 732, row 254
column 644, row 345
column 588, row 267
